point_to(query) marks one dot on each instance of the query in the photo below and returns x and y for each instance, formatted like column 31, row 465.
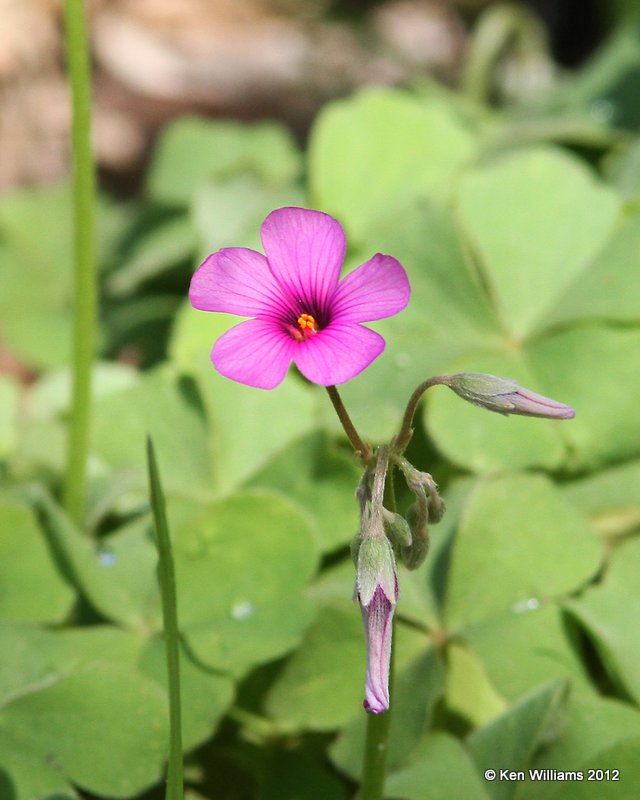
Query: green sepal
column 397, row 529
column 376, row 567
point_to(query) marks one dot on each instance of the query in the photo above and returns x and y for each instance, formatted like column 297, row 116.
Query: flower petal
column 377, row 618
column 305, row 250
column 256, row 352
column 236, row 280
column 337, row 353
column 377, row 289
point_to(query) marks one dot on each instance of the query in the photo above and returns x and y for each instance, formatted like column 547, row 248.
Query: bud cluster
column 386, row 536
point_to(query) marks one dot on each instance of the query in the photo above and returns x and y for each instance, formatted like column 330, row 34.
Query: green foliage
column 594, row 731
column 441, row 763
column 504, row 518
column 33, row 590
column 516, row 643
column 9, row 405
column 35, row 271
column 193, row 151
column 510, row 740
column 317, row 688
column 57, row 689
column 242, row 565
column 417, row 149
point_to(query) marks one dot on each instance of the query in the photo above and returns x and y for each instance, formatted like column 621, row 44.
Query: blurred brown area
column 250, row 59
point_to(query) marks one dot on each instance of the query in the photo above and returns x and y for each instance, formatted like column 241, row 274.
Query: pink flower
column 301, row 311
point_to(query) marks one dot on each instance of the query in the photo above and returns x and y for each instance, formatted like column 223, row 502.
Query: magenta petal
column 377, row 289
column 532, row 404
column 337, row 353
column 236, row 280
column 256, row 352
column 305, row 250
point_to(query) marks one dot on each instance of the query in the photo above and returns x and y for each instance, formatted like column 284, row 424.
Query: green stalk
column 167, row 579
column 85, row 280
column 406, row 430
column 500, row 27
column 376, row 747
column 374, row 768
column 362, row 449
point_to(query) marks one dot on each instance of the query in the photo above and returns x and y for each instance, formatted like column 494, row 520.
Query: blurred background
column 254, row 59
column 570, row 69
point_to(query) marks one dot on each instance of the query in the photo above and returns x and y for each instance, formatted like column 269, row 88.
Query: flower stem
column 406, row 430
column 379, row 490
column 501, row 27
column 375, row 751
column 85, row 281
column 362, row 450
column 376, row 748
column 167, row 578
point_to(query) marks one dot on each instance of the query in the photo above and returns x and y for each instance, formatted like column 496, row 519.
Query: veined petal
column 236, row 280
column 305, row 250
column 337, row 353
column 377, row 289
column 377, row 618
column 256, row 352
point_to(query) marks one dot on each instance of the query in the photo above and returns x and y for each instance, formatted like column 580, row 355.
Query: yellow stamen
column 306, row 321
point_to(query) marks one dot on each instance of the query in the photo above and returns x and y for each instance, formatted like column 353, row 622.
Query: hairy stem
column 379, row 491
column 85, row 281
column 362, row 450
column 406, row 430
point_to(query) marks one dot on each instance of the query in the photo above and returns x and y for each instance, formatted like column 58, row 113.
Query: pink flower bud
column 505, row 396
column 377, row 592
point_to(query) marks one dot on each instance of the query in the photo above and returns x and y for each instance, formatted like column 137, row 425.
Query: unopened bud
column 397, row 529
column 377, row 592
column 436, row 503
column 505, row 396
column 414, row 556
column 418, row 521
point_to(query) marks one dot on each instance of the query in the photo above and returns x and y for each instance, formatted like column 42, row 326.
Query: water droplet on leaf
column 527, row 605
column 242, row 610
column 107, row 557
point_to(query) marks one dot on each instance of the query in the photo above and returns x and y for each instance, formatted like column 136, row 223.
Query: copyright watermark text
column 552, row 775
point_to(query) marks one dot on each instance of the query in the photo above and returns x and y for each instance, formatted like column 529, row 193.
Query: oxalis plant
column 302, row 312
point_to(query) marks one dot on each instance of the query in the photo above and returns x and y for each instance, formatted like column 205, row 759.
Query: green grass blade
column 167, row 578
column 85, row 276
